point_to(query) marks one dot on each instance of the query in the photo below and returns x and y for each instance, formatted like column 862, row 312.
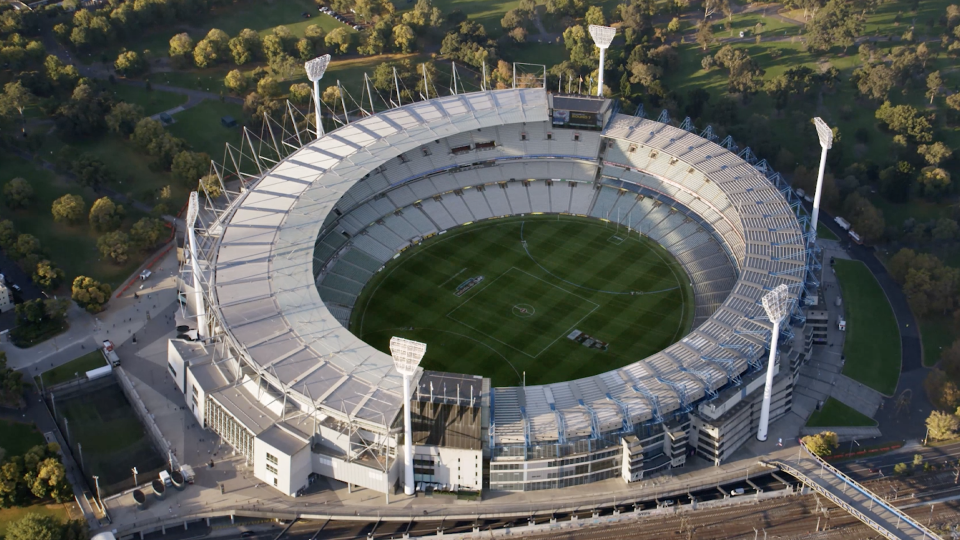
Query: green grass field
column 872, row 344
column 937, row 333
column 17, row 437
column 112, row 437
column 200, row 126
column 68, row 371
column 571, row 274
column 836, row 414
column 152, row 101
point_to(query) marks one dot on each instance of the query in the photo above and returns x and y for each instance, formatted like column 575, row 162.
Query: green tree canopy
column 17, row 193
column 90, row 294
column 105, row 215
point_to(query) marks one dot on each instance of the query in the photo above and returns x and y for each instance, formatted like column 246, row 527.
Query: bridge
column 846, row 493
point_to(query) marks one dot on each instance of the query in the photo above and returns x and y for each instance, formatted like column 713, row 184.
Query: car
column 16, row 287
column 247, row 534
column 356, row 27
column 874, row 469
column 735, row 492
column 305, row 15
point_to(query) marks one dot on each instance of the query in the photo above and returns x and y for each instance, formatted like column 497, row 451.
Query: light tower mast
column 777, row 304
column 406, row 357
column 826, row 142
column 602, row 37
column 315, row 70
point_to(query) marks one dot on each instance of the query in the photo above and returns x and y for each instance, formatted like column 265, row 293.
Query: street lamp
column 776, row 303
column 826, row 142
column 602, row 36
column 406, row 357
column 135, row 472
column 96, row 480
column 315, row 70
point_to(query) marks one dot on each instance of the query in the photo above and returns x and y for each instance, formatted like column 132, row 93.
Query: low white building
column 6, row 296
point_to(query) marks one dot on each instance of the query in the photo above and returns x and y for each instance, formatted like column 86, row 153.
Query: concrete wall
column 292, row 470
column 455, row 466
column 176, row 367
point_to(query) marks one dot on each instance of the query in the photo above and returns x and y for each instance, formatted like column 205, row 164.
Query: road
column 882, row 465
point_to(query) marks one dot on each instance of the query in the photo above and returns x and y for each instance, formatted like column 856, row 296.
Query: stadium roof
column 264, row 275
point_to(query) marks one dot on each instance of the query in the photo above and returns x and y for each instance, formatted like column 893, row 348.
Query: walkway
column 852, row 497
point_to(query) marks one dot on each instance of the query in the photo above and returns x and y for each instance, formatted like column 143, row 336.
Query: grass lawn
column 201, row 127
column 836, row 414
column 152, row 101
column 488, row 13
column 72, row 248
column 549, row 54
column 937, row 333
column 895, row 214
column 872, row 344
column 10, row 515
column 19, row 437
column 66, row 372
column 112, row 437
column 575, row 274
column 824, row 232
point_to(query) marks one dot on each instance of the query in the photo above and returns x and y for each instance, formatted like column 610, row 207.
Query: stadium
column 643, row 347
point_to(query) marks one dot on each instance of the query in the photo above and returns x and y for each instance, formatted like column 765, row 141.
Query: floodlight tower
column 315, row 70
column 826, row 142
column 602, row 36
column 406, row 357
column 777, row 304
column 193, row 208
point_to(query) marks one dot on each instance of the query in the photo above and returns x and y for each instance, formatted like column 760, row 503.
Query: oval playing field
column 555, row 297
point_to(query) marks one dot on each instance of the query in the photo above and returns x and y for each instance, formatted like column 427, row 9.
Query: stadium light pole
column 776, row 304
column 826, row 142
column 315, row 70
column 406, row 357
column 602, row 36
column 193, row 208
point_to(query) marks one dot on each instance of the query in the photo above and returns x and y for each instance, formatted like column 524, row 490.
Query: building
column 6, row 296
column 276, row 274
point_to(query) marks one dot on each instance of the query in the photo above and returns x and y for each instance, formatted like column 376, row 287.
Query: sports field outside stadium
column 543, row 279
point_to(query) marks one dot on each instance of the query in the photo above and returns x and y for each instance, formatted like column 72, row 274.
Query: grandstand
column 330, row 215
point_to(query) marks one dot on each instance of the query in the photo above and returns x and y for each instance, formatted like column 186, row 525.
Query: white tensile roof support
column 602, row 37
column 193, row 208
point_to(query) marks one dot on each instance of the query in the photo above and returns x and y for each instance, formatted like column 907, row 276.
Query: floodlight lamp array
column 602, row 35
column 406, row 354
column 317, row 67
column 777, row 303
column 824, row 132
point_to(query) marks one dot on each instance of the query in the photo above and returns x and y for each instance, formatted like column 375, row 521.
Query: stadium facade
column 279, row 266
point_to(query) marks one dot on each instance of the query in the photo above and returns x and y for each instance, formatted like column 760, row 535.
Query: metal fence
column 162, row 444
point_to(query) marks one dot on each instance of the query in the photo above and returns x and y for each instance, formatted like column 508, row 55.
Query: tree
column 245, row 47
column 27, row 246
column 123, row 118
column 306, row 49
column 47, row 275
column 901, row 469
column 17, row 193
column 942, row 426
column 15, row 98
column 130, row 64
column 181, row 48
column 146, row 132
column 34, row 527
column 404, row 38
column 148, row 232
column 905, row 120
column 268, row 87
column 83, row 114
column 674, row 25
column 114, row 246
column 210, row 186
column 953, row 101
column 934, row 153
column 822, row 444
column 704, row 35
column 595, row 16
column 941, row 391
column 105, row 215
column 90, row 294
column 934, row 83
column 300, row 93
column 580, row 46
column 934, row 181
column 68, row 209
column 866, row 218
column 90, row 171
column 189, row 166
column 8, row 235
column 874, row 80
column 315, row 34
column 833, row 25
column 338, row 40
column 206, row 54
column 235, row 81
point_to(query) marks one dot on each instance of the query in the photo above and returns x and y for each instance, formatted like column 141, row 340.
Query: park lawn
column 69, row 371
column 920, row 209
column 9, row 515
column 488, row 12
column 890, row 18
column 18, row 437
column 152, row 101
column 937, row 333
column 200, row 126
column 872, row 344
column 836, row 414
column 824, row 232
column 548, row 54
column 71, row 247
